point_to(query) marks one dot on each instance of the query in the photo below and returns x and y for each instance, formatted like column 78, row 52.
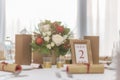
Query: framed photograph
column 81, row 51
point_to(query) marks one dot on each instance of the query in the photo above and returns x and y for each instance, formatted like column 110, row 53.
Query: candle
column 47, row 64
column 59, row 64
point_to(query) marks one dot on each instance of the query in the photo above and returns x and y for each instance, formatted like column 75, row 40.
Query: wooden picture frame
column 81, row 51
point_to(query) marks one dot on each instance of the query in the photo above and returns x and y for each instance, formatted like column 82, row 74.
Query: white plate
column 27, row 67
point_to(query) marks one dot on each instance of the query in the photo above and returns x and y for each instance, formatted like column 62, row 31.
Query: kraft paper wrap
column 23, row 53
column 94, row 40
column 85, row 68
column 38, row 57
column 10, row 67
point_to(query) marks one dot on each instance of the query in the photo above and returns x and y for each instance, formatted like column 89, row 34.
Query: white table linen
column 50, row 74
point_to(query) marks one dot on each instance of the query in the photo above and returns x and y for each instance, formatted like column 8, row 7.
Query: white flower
column 57, row 39
column 48, row 46
column 52, row 44
column 44, row 34
column 65, row 37
column 44, row 28
column 47, row 38
column 48, row 33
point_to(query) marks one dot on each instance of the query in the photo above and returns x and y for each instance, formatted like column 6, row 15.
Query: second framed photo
column 81, row 51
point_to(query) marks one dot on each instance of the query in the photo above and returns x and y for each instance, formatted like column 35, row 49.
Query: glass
column 47, row 62
column 114, row 51
column 68, row 59
column 2, row 52
column 9, row 50
column 60, row 62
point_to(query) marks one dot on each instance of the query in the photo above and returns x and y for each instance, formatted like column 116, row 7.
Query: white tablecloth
column 50, row 74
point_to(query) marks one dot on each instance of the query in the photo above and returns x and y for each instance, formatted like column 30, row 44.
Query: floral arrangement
column 51, row 36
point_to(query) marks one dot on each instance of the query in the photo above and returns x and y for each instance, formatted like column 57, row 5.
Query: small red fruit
column 39, row 40
column 60, row 29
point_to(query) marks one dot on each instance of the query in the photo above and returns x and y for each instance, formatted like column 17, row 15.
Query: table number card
column 81, row 51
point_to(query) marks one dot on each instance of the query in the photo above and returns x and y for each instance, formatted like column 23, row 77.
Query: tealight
column 47, row 64
column 59, row 64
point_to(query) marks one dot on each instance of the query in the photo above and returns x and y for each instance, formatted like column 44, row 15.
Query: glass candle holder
column 47, row 62
column 60, row 62
column 68, row 59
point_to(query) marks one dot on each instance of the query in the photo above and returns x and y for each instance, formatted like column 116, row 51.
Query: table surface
column 56, row 74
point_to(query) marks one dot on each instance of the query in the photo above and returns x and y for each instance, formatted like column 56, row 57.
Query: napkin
column 85, row 68
column 10, row 67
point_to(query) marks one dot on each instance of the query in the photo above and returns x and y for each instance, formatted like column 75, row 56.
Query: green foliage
column 39, row 48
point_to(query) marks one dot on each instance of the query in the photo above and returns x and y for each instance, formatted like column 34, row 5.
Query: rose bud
column 59, row 29
column 39, row 40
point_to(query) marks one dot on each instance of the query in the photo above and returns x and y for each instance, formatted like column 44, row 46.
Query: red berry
column 60, row 29
column 39, row 40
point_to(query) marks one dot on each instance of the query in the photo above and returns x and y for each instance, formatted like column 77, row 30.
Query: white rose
column 48, row 33
column 48, row 46
column 44, row 28
column 52, row 44
column 47, row 38
column 44, row 34
column 57, row 39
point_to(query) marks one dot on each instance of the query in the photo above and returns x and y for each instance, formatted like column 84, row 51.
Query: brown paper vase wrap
column 54, row 57
column 94, row 41
column 85, row 68
column 10, row 67
column 23, row 51
column 38, row 57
